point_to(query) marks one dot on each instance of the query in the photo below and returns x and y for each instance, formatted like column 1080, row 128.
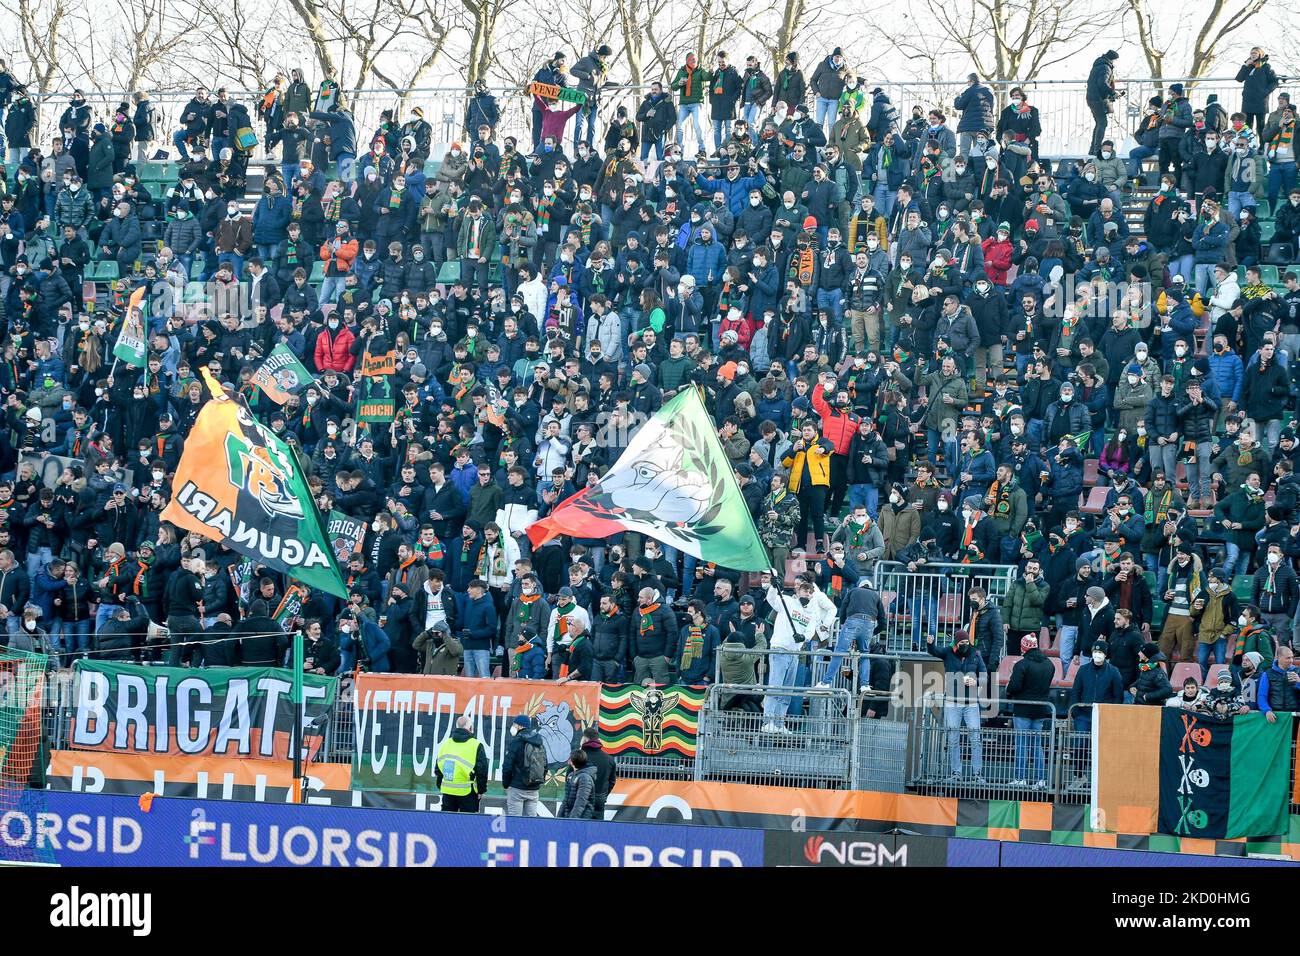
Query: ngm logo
column 852, row 853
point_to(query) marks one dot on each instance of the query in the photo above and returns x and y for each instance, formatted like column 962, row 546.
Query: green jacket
column 691, row 85
column 936, row 387
column 1024, row 605
column 487, row 237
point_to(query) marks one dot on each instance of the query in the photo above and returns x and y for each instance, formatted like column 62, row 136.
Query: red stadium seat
column 1096, row 500
column 1004, row 668
column 1089, row 472
column 1182, row 671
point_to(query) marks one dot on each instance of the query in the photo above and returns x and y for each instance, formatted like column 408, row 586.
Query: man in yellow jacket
column 461, row 769
column 809, row 461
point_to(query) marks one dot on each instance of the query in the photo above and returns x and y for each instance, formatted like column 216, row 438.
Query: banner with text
column 401, row 719
column 225, row 711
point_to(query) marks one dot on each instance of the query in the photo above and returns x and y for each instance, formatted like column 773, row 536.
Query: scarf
column 1002, row 497
column 647, row 619
column 1284, row 137
column 434, row 551
column 1239, row 646
column 886, row 157
column 694, row 647
column 857, row 535
column 544, row 212
column 395, row 198
column 585, row 226
column 405, row 569
column 498, row 563
column 1157, row 513
column 564, row 668
column 805, row 264
column 690, row 80
column 968, row 547
column 1147, row 665
column 465, row 547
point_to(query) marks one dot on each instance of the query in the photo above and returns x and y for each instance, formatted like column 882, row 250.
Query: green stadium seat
column 1157, row 615
column 194, row 292
column 1268, row 274
column 449, row 272
column 317, row 272
column 105, row 271
column 1241, row 586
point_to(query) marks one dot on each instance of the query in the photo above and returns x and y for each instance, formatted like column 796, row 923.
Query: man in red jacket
column 839, row 425
column 334, row 347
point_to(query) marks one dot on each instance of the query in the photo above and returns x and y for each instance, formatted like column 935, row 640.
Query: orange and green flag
column 240, row 485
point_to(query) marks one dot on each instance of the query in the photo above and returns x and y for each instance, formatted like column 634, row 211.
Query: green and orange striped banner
column 660, row 720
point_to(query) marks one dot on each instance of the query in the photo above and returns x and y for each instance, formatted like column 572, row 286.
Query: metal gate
column 932, row 599
column 985, row 761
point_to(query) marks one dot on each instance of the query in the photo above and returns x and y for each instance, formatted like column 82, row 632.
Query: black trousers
column 1100, row 117
column 1256, row 121
column 812, row 506
column 1170, row 160
column 839, row 484
column 456, row 804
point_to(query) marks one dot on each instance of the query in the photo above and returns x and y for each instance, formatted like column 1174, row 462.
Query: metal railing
column 1074, row 767
column 810, row 750
column 1063, row 111
column 960, row 751
column 933, row 599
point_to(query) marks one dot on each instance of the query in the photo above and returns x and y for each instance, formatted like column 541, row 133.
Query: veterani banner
column 224, row 711
column 401, row 719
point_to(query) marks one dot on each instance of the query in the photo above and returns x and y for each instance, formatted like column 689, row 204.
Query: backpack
column 533, row 757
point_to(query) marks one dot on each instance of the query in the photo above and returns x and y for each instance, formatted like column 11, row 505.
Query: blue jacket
column 982, row 471
column 343, row 132
column 955, row 669
column 1227, row 372
column 976, row 105
column 705, row 262
column 44, row 590
column 1097, row 685
column 736, row 190
column 532, row 662
column 765, row 293
column 1209, row 244
column 1066, row 480
column 1183, row 323
column 271, row 220
column 478, row 622
column 376, row 643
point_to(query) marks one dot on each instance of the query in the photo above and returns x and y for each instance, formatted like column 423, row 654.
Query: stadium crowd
column 920, row 342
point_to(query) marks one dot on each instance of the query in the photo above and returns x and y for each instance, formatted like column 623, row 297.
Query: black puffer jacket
column 1031, row 680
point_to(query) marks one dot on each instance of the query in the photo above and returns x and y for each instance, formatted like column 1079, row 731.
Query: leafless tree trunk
column 41, row 28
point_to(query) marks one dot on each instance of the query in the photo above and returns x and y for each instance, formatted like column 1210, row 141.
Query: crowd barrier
column 932, row 600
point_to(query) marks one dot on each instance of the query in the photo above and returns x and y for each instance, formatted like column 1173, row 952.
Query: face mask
column 1274, row 558
column 334, row 323
column 118, row 213
column 942, row 505
column 30, row 625
column 1106, row 154
column 1066, row 398
column 376, row 526
column 959, row 169
column 1098, row 658
column 943, row 214
column 966, row 513
column 905, row 264
column 99, row 392
column 896, row 499
column 1211, row 143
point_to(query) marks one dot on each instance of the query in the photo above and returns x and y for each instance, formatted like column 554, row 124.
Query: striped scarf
column 647, row 619
column 526, row 602
column 544, row 212
column 694, row 647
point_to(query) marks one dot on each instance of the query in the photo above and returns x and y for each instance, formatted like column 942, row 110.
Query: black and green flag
column 1224, row 778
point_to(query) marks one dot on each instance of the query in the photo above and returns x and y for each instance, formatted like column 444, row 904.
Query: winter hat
column 1133, row 369
column 810, row 222
column 728, row 371
column 1080, row 564
column 1028, row 643
column 523, row 720
column 1096, row 593
column 1031, row 224
column 1218, row 574
column 1176, row 88
column 644, row 371
column 1101, row 646
column 1150, row 649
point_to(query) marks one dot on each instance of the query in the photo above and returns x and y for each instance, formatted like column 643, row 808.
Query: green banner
column 221, row 711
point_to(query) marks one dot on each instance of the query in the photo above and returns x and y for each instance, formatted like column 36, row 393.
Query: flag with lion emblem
column 237, row 483
column 674, row 484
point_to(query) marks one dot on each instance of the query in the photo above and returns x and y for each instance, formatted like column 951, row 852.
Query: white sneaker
column 769, row 728
column 1040, row 784
column 1018, row 783
column 783, row 729
column 822, row 685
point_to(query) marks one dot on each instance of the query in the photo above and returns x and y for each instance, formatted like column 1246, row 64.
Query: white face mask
column 896, row 499
column 158, row 475
column 1106, row 154
column 943, row 214
column 1133, row 379
column 1274, row 557
column 1242, row 620
column 966, row 513
column 1090, row 177
column 1180, row 349
column 1098, row 658
column 942, row 505
column 376, row 526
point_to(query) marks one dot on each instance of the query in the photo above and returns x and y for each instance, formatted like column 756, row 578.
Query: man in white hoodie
column 1227, row 290
column 533, row 290
column 812, row 620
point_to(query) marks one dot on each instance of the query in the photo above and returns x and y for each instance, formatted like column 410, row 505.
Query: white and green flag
column 674, row 484
column 131, row 347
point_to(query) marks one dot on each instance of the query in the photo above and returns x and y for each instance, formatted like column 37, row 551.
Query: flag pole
column 297, row 715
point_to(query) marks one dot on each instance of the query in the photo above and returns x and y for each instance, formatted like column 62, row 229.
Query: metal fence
column 1074, row 744
column 933, row 599
column 813, row 749
column 986, row 759
column 880, row 752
